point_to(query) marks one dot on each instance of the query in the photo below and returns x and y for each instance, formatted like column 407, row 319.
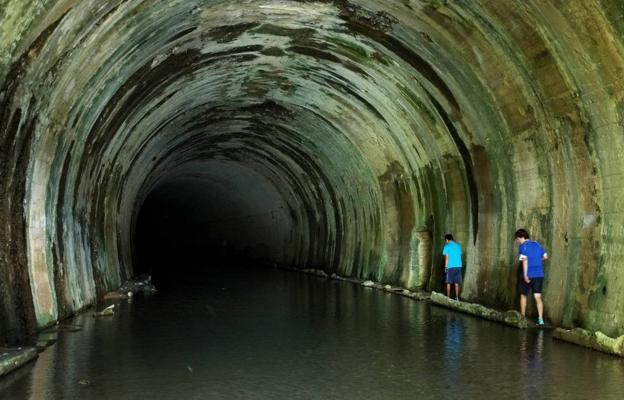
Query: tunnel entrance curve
column 193, row 74
column 381, row 125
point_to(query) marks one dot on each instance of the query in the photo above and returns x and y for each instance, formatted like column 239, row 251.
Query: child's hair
column 522, row 233
column 448, row 236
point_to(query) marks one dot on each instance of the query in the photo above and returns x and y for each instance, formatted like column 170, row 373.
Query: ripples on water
column 268, row 334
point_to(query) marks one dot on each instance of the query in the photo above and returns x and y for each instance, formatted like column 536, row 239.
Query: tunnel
column 170, row 137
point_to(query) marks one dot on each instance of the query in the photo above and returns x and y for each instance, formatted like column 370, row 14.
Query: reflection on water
column 532, row 371
column 265, row 334
column 453, row 340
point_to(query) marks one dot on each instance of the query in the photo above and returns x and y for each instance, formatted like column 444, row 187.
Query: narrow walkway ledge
column 512, row 318
column 594, row 340
column 13, row 358
column 394, row 289
column 415, row 295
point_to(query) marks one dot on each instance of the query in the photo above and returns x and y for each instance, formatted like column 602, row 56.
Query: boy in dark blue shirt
column 531, row 275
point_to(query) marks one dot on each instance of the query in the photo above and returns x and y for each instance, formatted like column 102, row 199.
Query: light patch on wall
column 589, row 220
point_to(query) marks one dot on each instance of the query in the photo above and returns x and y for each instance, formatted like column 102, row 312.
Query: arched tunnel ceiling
column 377, row 126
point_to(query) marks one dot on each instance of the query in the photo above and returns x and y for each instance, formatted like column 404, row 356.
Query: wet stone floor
column 270, row 334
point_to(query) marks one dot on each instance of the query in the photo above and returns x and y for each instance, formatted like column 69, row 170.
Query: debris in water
column 106, row 312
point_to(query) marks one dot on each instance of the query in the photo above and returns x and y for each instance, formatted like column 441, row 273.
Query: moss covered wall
column 381, row 124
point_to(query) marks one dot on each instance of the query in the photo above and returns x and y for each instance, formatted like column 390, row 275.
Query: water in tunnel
column 208, row 215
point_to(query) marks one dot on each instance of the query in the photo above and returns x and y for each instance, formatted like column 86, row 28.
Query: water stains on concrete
column 371, row 127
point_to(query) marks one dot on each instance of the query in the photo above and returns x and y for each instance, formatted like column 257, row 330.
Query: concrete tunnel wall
column 376, row 126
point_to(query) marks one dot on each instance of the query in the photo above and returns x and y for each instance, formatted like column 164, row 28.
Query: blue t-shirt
column 453, row 251
column 534, row 253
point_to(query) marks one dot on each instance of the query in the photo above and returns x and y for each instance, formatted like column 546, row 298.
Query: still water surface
column 269, row 334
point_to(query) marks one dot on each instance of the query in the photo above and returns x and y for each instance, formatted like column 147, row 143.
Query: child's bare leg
column 523, row 304
column 540, row 304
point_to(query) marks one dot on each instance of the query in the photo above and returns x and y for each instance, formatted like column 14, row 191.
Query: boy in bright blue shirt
column 452, row 265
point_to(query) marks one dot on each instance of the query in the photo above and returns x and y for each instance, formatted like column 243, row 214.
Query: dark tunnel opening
column 207, row 218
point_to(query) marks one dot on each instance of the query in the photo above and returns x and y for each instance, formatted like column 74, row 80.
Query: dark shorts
column 534, row 286
column 453, row 275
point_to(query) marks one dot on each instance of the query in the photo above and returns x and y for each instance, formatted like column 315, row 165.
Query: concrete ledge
column 317, row 272
column 594, row 340
column 416, row 295
column 142, row 283
column 395, row 289
column 511, row 318
column 412, row 294
column 13, row 358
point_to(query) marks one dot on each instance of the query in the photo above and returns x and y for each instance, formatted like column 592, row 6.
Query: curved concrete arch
column 376, row 126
